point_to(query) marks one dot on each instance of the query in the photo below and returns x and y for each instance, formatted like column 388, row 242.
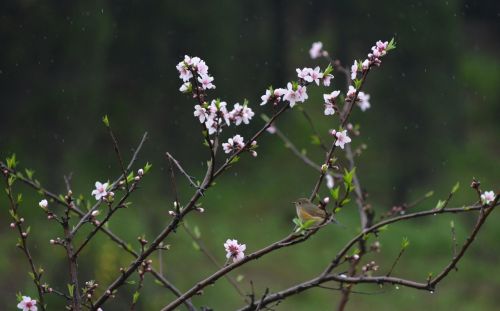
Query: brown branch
column 344, row 279
column 113, row 186
column 23, row 245
column 35, row 185
column 207, row 182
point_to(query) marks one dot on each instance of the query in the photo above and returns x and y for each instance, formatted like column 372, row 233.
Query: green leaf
column 136, row 297
column 105, row 120
column 440, row 204
column 19, row 198
column 234, row 160
column 147, row 167
column 357, row 84
column 345, row 201
column 308, row 224
column 297, row 222
column 335, row 193
column 405, row 243
column 384, row 228
column 71, row 288
column 32, row 275
column 265, row 118
column 240, row 278
column 196, row 246
column 348, row 175
column 328, row 70
column 455, row 187
column 11, row 161
column 452, row 224
column 315, row 140
column 131, row 282
column 391, row 45
column 197, row 232
column 130, row 177
column 29, row 173
column 429, row 194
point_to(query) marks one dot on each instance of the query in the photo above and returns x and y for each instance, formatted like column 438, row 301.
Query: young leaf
column 455, row 187
column 136, row 297
column 105, row 120
column 405, row 243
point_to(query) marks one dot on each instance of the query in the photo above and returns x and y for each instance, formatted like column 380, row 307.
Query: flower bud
column 140, row 172
column 200, row 209
column 171, row 213
column 324, row 168
column 12, row 225
column 95, row 213
column 326, row 200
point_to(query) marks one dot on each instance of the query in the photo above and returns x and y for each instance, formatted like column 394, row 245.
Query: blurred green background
column 433, row 121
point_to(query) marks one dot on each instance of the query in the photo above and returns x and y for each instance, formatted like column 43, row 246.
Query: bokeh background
column 433, row 121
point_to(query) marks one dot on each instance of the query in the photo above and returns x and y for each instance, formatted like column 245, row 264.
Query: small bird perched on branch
column 307, row 211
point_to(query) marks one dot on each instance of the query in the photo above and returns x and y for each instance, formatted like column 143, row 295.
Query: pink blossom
column 354, row 70
column 185, row 87
column 234, row 250
column 302, row 93
column 224, row 113
column 200, row 113
column 100, row 190
column 316, row 50
column 271, row 129
column 327, row 79
column 241, row 114
column 27, row 304
column 293, row 96
column 266, row 97
column 330, row 98
column 43, row 203
column 235, row 143
column 364, row 101
column 202, row 68
column 304, row 74
column 316, row 75
column 329, row 110
column 366, row 64
column 184, row 72
column 206, row 82
column 342, row 138
column 351, row 92
column 487, row 197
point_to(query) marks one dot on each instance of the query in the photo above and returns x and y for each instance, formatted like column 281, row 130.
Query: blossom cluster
column 194, row 67
column 374, row 58
column 215, row 115
column 296, row 92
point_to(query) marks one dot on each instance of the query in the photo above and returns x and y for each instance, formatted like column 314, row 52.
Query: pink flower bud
column 24, row 234
column 140, row 172
column 12, row 225
column 137, row 178
column 171, row 213
column 21, row 220
column 326, row 200
column 95, row 213
column 52, row 241
column 200, row 209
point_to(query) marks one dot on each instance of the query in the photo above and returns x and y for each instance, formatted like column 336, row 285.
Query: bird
column 307, row 211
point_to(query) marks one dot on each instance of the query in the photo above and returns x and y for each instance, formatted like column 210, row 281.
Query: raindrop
column 432, row 292
column 397, row 287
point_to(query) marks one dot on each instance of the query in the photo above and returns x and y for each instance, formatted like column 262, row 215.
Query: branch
column 429, row 286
